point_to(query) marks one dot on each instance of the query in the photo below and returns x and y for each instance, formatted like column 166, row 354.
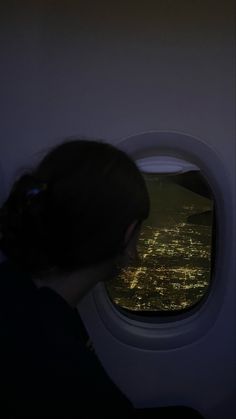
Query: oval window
column 175, row 245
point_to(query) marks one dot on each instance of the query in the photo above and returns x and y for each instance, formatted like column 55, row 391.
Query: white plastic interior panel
column 165, row 164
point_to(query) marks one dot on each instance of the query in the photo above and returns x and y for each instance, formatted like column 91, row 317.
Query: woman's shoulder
column 44, row 337
column 14, row 283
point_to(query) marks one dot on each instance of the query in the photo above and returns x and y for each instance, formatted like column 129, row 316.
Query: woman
column 69, row 223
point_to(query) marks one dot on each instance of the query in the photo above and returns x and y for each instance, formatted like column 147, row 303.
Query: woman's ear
column 130, row 231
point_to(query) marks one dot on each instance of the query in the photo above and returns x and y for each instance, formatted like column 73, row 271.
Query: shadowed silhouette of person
column 67, row 224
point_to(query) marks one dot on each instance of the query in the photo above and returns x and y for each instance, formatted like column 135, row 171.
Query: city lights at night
column 174, row 269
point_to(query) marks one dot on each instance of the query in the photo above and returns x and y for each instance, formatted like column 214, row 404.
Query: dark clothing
column 46, row 368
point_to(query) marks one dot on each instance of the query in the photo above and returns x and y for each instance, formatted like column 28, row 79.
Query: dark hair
column 73, row 209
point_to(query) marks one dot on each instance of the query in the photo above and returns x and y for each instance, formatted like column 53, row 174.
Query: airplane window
column 175, row 246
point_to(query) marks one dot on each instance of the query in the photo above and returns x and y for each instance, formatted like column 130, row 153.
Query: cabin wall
column 113, row 69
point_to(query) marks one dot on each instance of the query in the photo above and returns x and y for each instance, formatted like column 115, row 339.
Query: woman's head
column 73, row 209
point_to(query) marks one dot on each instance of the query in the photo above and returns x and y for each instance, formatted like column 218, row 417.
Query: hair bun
column 21, row 215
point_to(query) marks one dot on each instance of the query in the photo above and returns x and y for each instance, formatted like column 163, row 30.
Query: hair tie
column 36, row 191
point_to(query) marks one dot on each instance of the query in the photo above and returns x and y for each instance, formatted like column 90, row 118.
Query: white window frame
column 168, row 332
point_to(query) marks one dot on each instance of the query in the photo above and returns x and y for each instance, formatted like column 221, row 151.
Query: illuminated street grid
column 174, row 270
